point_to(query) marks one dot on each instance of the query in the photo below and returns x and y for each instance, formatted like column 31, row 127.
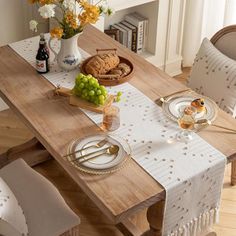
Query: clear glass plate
column 104, row 163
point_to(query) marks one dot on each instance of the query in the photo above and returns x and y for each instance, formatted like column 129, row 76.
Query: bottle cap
column 42, row 36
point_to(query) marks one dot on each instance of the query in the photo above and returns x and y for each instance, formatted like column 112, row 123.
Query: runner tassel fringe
column 198, row 225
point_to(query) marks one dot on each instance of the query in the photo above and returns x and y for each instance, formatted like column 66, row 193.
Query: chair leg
column 233, row 173
column 72, row 232
column 32, row 152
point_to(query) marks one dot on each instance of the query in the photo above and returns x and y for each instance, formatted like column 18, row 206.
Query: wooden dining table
column 55, row 124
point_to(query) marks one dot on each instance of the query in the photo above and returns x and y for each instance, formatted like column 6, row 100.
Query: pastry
column 101, row 64
column 198, row 104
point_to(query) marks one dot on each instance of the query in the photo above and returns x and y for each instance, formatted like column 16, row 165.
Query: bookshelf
column 165, row 29
column 125, row 4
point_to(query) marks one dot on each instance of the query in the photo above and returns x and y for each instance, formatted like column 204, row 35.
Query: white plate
column 174, row 106
column 103, row 161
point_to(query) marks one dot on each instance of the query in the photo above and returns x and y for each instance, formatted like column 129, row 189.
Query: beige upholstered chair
column 45, row 211
column 214, row 70
column 225, row 41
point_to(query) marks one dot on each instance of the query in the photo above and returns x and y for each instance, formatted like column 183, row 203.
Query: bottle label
column 41, row 66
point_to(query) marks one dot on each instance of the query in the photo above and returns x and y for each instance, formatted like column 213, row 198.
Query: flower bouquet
column 73, row 16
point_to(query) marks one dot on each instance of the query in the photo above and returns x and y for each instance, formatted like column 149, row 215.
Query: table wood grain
column 55, row 123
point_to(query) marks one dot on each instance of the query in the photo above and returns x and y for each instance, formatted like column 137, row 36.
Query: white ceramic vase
column 68, row 57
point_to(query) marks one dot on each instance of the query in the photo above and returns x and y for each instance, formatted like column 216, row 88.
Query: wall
column 11, row 22
column 14, row 23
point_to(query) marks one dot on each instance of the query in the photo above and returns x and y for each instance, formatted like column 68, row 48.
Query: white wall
column 14, row 23
column 14, row 20
column 11, row 22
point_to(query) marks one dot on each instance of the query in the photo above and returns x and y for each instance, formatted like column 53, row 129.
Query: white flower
column 105, row 9
column 69, row 4
column 33, row 25
column 47, row 11
column 105, row 3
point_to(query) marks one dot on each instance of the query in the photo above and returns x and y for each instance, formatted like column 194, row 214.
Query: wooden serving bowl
column 111, row 82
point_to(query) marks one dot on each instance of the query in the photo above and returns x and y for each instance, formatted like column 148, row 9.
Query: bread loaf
column 102, row 63
column 122, row 70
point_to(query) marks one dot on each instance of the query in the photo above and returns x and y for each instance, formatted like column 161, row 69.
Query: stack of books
column 132, row 32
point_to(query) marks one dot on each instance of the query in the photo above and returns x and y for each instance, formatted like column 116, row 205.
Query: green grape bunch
column 88, row 88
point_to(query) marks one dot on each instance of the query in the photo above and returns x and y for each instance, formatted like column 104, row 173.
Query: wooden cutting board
column 79, row 102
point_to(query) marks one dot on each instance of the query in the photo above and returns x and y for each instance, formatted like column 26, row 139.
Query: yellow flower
column 43, row 2
column 56, row 32
column 70, row 19
column 90, row 13
column 83, row 3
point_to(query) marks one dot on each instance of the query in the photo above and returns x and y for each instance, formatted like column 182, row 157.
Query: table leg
column 233, row 173
column 155, row 218
column 127, row 228
column 32, row 152
column 211, row 234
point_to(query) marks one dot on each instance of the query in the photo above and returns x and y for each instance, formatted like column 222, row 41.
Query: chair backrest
column 225, row 41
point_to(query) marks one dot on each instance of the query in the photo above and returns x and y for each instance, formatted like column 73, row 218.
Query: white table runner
column 192, row 174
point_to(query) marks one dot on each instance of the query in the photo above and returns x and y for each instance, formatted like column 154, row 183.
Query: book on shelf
column 113, row 33
column 123, row 34
column 134, row 34
column 145, row 28
column 140, row 33
column 129, row 35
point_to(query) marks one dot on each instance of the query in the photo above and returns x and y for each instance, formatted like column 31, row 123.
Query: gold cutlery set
column 98, row 145
column 110, row 150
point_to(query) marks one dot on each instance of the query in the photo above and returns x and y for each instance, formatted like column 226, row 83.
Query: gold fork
column 161, row 100
column 98, row 145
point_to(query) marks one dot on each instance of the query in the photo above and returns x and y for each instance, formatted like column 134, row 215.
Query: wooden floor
column 93, row 223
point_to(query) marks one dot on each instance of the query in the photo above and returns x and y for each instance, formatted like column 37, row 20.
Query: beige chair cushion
column 12, row 219
column 45, row 210
column 214, row 75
